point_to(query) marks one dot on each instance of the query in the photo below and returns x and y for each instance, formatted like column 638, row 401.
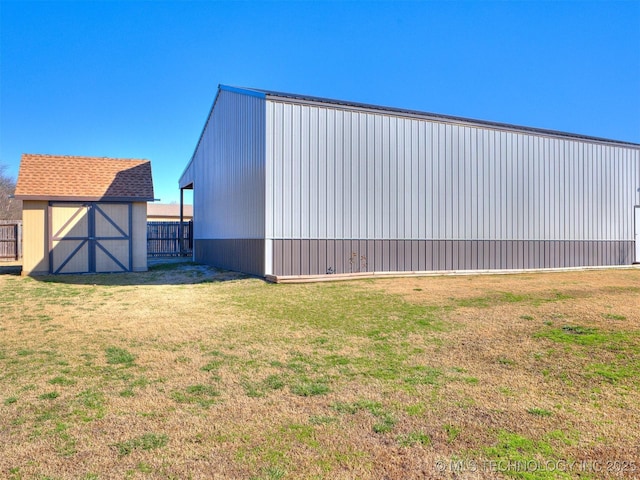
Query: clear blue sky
column 137, row 79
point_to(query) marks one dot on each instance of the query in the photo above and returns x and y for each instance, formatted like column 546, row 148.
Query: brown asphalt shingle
column 86, row 178
column 168, row 210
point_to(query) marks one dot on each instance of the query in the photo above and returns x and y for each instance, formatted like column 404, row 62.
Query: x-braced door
column 90, row 237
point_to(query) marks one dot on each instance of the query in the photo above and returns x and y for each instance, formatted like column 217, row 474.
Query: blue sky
column 136, row 79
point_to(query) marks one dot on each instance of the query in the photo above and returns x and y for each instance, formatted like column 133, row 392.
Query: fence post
column 19, row 240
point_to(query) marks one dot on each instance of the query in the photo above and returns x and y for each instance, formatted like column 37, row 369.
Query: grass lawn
column 188, row 372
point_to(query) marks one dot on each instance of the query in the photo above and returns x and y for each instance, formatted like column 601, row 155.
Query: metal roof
column 416, row 113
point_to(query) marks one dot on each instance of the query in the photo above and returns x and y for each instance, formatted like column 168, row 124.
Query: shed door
column 90, row 237
column 69, row 238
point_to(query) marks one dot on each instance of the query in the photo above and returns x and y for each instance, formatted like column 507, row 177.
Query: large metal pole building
column 296, row 185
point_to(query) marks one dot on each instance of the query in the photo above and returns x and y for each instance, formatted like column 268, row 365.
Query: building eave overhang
column 54, row 198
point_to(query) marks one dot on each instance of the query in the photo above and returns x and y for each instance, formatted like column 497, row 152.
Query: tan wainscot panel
column 139, row 237
column 70, row 231
column 66, row 261
column 119, row 216
column 119, row 250
column 35, row 253
column 112, row 234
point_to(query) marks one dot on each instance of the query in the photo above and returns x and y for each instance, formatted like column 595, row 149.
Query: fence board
column 11, row 239
column 163, row 239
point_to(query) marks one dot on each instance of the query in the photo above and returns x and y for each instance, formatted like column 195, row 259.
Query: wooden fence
column 10, row 239
column 163, row 239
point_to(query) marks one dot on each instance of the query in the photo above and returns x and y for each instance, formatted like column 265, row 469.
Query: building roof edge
column 434, row 116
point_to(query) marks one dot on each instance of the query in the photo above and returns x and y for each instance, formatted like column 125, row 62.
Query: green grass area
column 493, row 299
column 351, row 309
column 170, row 266
column 517, row 456
column 617, row 340
column 203, row 395
column 148, row 441
column 185, row 371
column 115, row 355
column 621, row 348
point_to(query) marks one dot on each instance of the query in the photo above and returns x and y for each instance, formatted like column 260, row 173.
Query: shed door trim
column 94, row 242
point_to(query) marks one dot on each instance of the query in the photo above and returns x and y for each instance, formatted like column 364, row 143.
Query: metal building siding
column 338, row 173
column 228, row 170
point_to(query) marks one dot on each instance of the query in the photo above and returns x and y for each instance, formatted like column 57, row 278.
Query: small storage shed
column 84, row 214
column 288, row 185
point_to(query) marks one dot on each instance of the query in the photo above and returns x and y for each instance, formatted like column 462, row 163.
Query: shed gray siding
column 351, row 189
column 227, row 171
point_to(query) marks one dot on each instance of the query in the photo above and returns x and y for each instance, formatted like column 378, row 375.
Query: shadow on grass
column 10, row 269
column 171, row 271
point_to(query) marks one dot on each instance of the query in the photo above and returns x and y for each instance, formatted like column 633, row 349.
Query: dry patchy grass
column 188, row 372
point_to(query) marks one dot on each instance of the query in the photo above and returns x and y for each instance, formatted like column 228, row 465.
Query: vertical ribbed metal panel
column 637, row 233
column 340, row 173
column 228, row 170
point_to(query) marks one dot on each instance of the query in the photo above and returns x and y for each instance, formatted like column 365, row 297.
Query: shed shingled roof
column 64, row 177
column 168, row 210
